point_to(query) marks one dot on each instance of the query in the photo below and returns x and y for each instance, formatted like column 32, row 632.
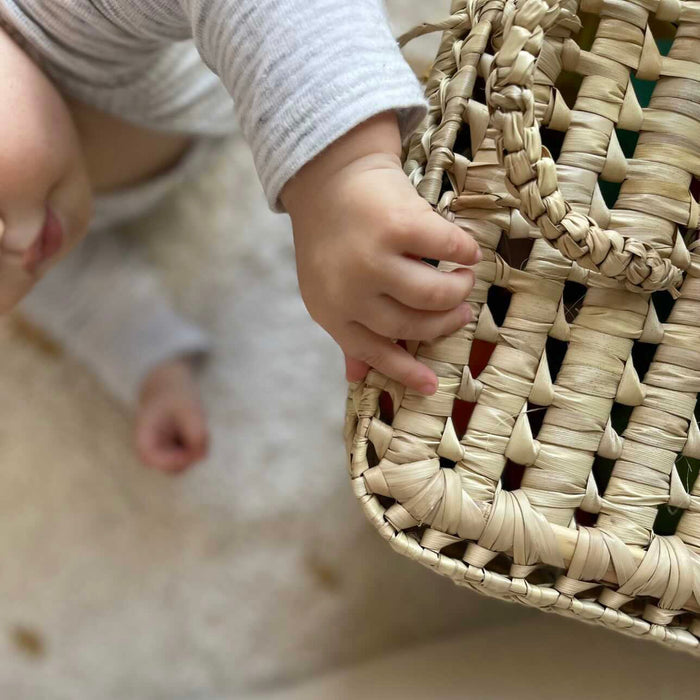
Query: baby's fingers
column 389, row 358
column 433, row 237
column 421, row 286
column 388, row 317
column 354, row 369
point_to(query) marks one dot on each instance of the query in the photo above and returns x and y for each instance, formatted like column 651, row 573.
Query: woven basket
column 545, row 470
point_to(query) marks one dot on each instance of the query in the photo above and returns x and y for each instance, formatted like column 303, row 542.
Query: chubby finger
column 421, row 286
column 164, row 456
column 161, row 444
column 392, row 319
column 388, row 358
column 194, row 434
column 354, row 369
column 433, row 237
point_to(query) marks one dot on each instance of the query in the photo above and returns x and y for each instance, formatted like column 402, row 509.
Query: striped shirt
column 301, row 72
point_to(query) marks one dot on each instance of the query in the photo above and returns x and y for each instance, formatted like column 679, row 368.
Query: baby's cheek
column 40, row 152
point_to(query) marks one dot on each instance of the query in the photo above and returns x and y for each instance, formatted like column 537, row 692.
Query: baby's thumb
column 355, row 370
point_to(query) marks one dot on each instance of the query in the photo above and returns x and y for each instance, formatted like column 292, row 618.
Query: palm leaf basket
column 555, row 466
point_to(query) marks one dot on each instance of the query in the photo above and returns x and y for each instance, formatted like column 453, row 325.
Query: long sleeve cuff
column 302, row 74
column 105, row 307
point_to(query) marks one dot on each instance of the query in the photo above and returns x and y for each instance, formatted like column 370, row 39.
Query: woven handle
column 531, row 173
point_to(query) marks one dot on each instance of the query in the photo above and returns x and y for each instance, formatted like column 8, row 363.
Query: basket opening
column 498, row 301
column 535, row 416
column 512, row 476
column 589, row 28
column 416, row 531
column 461, row 413
column 628, row 143
column 515, row 251
column 555, row 349
column 385, row 501
column 668, row 517
column 574, row 294
column 685, row 620
column 463, row 142
column 664, row 33
column 602, row 469
column 543, row 576
column 554, row 140
column 569, row 83
column 663, row 304
column 610, row 191
column 585, row 519
column 620, row 417
column 590, row 594
column 456, row 550
column 636, row 607
column 642, row 357
column 602, row 466
column 479, row 356
column 372, row 458
column 386, row 408
column 446, row 463
column 500, row 564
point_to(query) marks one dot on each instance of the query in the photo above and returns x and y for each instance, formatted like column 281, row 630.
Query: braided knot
column 531, row 173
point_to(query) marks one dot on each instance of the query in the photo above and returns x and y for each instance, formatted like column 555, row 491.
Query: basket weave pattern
column 442, row 492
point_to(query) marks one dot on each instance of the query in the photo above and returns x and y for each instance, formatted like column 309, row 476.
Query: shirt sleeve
column 301, row 72
column 103, row 304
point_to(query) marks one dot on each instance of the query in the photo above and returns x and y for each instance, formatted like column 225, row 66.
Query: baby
column 109, row 103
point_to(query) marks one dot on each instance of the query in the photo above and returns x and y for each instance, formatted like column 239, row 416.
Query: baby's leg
column 104, row 305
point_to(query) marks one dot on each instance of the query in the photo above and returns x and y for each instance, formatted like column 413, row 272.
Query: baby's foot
column 171, row 428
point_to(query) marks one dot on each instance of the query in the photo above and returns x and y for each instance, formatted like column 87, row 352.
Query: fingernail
column 467, row 313
column 429, row 388
column 479, row 255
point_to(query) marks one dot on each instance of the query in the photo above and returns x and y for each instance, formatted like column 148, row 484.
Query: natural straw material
column 554, row 476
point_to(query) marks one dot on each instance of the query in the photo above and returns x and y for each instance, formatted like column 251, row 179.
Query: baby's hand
column 360, row 229
column 171, row 428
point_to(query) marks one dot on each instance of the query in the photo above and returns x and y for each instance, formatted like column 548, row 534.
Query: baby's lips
column 46, row 244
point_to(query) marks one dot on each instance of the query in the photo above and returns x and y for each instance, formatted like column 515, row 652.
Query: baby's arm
column 359, row 231
column 309, row 78
column 104, row 306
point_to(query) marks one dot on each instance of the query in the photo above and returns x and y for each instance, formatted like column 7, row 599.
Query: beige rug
column 117, row 582
column 258, row 567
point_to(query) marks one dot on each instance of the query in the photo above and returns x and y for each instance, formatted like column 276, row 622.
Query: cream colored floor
column 257, row 568
column 539, row 658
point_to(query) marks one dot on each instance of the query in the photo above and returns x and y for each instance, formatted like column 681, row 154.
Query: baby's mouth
column 47, row 243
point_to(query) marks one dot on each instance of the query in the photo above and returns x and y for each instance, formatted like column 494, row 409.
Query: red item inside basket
column 478, row 359
column 462, row 410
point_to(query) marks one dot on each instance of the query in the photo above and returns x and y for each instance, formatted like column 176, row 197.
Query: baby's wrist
column 172, row 369
column 374, row 141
